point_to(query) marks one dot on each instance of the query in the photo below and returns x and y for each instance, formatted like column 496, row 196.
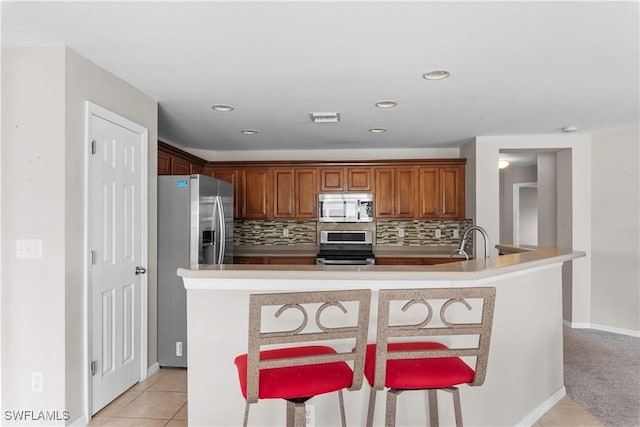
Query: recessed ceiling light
column 386, row 104
column 249, row 131
column 502, row 164
column 436, row 75
column 377, row 130
column 569, row 129
column 222, row 107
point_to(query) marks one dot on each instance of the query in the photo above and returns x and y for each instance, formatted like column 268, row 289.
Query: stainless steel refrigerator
column 195, row 226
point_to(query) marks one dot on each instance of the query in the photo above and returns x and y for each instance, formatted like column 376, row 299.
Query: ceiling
column 515, row 67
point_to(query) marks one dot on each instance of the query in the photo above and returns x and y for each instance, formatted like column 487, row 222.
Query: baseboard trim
column 80, row 422
column 604, row 328
column 153, row 369
column 542, row 409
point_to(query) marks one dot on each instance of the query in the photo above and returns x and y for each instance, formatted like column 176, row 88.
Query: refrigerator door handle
column 221, row 232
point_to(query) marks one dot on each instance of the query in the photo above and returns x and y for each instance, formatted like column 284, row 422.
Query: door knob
column 140, row 270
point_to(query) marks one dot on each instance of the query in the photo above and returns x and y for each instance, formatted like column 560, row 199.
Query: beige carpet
column 602, row 374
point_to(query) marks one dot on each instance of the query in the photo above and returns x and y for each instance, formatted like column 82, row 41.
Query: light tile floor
column 161, row 400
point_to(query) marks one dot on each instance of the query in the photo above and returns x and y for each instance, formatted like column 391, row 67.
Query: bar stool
column 297, row 373
column 419, row 363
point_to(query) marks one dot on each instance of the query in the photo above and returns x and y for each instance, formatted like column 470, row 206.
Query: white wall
column 86, row 81
column 509, row 176
column 528, row 221
column 43, row 95
column 483, row 180
column 547, row 199
column 33, row 200
column 616, row 234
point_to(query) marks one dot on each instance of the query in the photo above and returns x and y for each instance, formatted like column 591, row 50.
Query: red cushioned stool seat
column 419, row 374
column 297, row 381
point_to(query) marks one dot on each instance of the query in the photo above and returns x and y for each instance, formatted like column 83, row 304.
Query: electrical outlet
column 438, row 233
column 456, row 233
column 36, row 382
column 400, row 232
column 310, row 415
column 28, row 248
column 285, row 232
column 178, row 348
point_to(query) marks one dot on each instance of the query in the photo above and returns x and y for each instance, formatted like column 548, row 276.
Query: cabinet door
column 283, row 193
column 180, row 166
column 332, row 179
column 299, row 260
column 451, row 188
column 306, row 193
column 405, row 192
column 196, row 168
column 256, row 191
column 249, row 260
column 429, row 192
column 441, row 192
column 359, row 179
column 384, row 197
column 164, row 163
column 399, row 261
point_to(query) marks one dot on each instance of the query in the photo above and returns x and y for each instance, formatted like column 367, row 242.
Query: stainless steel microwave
column 345, row 207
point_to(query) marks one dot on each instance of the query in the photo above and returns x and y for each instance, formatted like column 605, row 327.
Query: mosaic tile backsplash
column 416, row 233
column 273, row 232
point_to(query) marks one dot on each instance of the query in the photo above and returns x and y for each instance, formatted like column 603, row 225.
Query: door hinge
column 94, row 363
column 93, row 257
column 93, row 147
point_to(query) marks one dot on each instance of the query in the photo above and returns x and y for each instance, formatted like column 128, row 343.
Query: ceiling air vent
column 325, row 117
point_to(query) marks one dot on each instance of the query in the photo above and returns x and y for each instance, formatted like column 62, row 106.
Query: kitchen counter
column 525, row 368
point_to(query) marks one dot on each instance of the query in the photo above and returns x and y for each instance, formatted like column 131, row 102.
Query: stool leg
column 433, row 408
column 390, row 415
column 296, row 414
column 456, row 405
column 246, row 414
column 372, row 407
column 343, row 418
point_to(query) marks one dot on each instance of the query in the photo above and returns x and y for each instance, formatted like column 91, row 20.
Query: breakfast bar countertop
column 463, row 270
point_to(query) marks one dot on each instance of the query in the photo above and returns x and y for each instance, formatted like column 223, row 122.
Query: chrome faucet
column 465, row 240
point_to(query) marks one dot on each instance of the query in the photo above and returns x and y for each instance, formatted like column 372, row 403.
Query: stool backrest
column 482, row 298
column 346, row 328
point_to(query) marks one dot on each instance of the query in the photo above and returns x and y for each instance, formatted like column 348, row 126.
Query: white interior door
column 118, row 256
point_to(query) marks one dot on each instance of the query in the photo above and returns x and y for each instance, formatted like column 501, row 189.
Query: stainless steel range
column 341, row 247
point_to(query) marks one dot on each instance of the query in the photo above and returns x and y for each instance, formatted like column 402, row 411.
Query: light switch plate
column 400, row 232
column 28, row 248
column 438, row 233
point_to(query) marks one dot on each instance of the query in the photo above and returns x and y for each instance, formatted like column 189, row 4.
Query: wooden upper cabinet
column 256, row 191
column 180, row 166
column 164, row 163
column 395, row 194
column 306, row 192
column 345, row 179
column 452, row 181
column 441, row 192
column 173, row 161
column 295, row 193
column 359, row 179
column 284, row 193
column 332, row 179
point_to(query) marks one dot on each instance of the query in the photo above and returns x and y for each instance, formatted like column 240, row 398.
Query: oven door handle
column 342, row 262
